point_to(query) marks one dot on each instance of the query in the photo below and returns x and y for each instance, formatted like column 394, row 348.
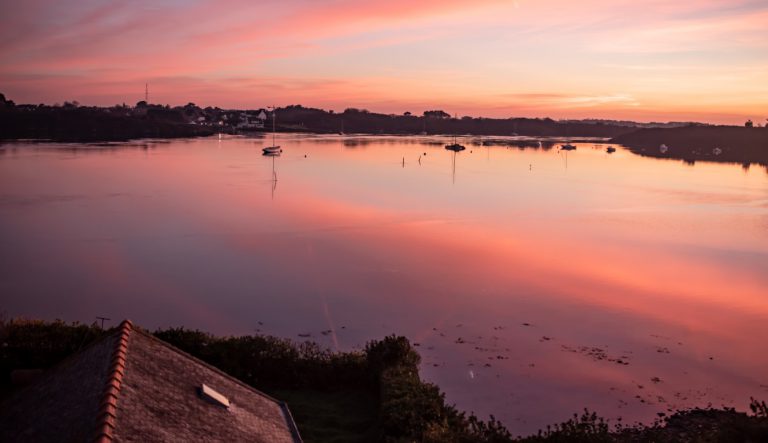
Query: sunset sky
column 703, row 60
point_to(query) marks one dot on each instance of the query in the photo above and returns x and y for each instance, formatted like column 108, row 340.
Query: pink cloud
column 385, row 55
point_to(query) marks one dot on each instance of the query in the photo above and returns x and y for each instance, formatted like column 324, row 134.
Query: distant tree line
column 74, row 122
column 354, row 120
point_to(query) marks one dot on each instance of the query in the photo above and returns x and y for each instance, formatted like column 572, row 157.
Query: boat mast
column 455, row 117
column 274, row 117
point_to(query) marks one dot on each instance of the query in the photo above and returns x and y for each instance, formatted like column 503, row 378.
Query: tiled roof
column 131, row 386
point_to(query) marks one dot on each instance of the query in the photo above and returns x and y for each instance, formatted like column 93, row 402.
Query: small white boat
column 274, row 148
column 663, row 148
column 717, row 151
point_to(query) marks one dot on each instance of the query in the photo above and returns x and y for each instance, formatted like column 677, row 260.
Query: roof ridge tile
column 105, row 422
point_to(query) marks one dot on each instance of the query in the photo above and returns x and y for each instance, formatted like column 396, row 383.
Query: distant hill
column 631, row 124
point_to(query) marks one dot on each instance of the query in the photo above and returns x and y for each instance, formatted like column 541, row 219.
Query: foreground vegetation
column 372, row 395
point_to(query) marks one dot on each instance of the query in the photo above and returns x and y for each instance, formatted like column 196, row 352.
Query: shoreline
column 689, row 142
column 700, row 143
column 688, row 149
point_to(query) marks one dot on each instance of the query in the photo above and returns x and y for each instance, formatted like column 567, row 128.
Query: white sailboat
column 274, row 149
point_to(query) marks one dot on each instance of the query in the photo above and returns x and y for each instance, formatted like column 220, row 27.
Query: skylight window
column 211, row 395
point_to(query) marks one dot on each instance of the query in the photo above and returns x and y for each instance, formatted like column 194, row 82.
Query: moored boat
column 274, row 148
column 455, row 147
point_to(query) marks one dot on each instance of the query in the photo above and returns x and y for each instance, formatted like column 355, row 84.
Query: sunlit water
column 533, row 284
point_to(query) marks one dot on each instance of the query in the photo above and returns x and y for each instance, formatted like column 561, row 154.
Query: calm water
column 534, row 285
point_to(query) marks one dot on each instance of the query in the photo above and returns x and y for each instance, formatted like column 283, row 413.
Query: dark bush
column 390, row 352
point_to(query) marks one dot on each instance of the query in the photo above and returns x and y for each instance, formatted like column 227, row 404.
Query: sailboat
column 567, row 146
column 455, row 147
column 274, row 149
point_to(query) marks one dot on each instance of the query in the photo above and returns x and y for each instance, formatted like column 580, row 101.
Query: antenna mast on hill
column 146, row 92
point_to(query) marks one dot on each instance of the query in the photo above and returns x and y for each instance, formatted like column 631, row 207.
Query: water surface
column 534, row 282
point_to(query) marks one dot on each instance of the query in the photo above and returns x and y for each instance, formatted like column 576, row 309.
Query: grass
column 338, row 416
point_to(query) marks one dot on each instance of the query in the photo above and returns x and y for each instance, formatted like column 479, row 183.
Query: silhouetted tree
column 5, row 103
column 437, row 114
column 749, row 124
